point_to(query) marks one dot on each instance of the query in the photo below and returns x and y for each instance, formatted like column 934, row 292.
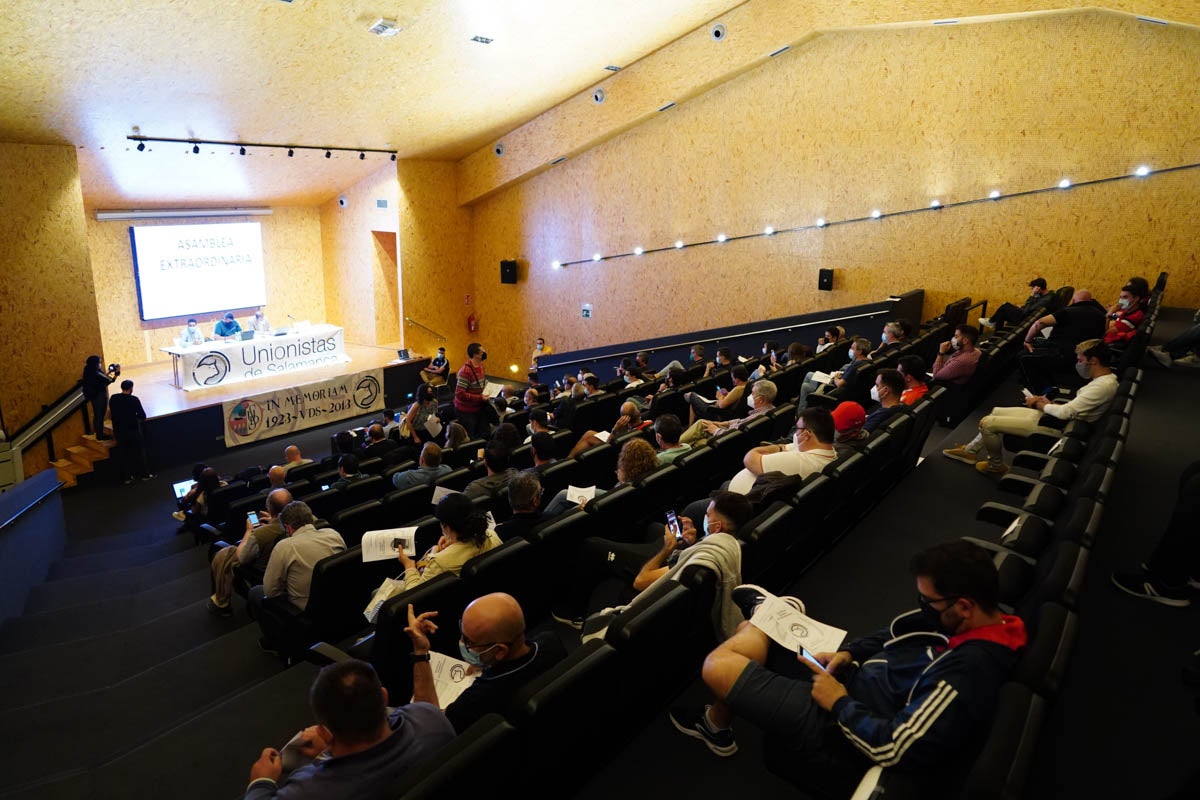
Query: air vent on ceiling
column 481, row 39
column 613, row 68
column 385, row 27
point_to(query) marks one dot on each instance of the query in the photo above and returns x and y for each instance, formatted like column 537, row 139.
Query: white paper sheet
column 791, row 628
column 384, row 544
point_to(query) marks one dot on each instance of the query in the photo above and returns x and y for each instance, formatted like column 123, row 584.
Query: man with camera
column 95, row 383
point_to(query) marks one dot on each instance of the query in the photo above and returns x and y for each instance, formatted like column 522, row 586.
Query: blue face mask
column 470, row 656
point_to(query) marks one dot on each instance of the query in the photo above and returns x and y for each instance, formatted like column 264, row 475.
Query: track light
column 1065, row 183
column 328, row 154
column 141, row 146
column 196, row 149
column 876, row 214
column 361, row 156
column 241, row 151
column 820, row 222
column 994, row 194
column 935, row 203
column 393, row 156
column 556, row 265
column 1142, row 171
column 767, row 231
column 678, row 244
column 596, row 256
column 637, row 251
column 291, row 152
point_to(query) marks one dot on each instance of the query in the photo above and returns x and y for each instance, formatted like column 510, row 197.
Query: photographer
column 95, row 383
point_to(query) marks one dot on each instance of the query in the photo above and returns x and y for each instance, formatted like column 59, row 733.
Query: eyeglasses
column 472, row 645
column 926, row 603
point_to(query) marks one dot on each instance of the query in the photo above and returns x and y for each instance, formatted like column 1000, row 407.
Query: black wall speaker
column 825, row 280
column 508, row 271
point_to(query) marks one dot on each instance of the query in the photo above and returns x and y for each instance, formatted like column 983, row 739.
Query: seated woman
column 465, row 535
column 196, row 512
column 637, row 458
column 415, row 425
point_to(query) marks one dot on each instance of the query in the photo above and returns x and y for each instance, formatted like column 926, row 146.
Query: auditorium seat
column 489, row 747
column 405, row 505
column 354, row 521
column 597, row 466
column 514, row 568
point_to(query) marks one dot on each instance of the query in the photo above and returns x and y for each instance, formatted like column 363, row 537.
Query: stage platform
column 186, row 427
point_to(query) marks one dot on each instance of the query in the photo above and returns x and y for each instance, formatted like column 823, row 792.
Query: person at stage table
column 260, row 323
column 227, row 327
column 191, row 335
column 95, row 391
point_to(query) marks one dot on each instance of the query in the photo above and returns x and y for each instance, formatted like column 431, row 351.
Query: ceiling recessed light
column 637, row 251
column 678, row 244
column 596, row 256
column 994, row 194
column 768, row 230
column 720, row 237
column 876, row 213
column 820, row 222
column 555, row 265
column 1065, row 183
column 1142, row 171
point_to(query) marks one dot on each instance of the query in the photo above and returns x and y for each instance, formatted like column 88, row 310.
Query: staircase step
column 104, row 616
column 100, row 447
column 67, row 478
column 265, row 714
column 126, row 541
column 69, row 466
column 96, row 726
column 48, row 673
column 74, row 566
column 83, row 456
column 84, row 589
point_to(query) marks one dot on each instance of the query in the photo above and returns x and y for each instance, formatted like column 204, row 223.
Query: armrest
column 1047, row 421
column 1000, row 514
column 323, row 654
column 282, row 606
column 1028, row 459
column 1018, row 484
column 992, row 547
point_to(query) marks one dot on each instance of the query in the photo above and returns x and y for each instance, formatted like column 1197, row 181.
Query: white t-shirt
column 790, row 462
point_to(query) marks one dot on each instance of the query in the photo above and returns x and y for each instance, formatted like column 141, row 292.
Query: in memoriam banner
column 263, row 416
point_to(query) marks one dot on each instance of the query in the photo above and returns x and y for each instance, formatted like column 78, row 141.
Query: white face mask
column 750, row 400
column 1084, row 370
column 955, row 343
column 764, row 351
column 1123, row 303
column 875, row 393
column 883, row 337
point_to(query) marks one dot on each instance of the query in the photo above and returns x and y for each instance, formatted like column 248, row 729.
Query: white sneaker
column 986, row 321
column 1189, row 361
column 1160, row 355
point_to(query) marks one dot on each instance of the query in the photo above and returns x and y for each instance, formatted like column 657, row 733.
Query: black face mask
column 483, row 356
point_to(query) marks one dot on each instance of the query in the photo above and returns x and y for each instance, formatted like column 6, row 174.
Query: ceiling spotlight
column 678, row 244
column 241, row 151
column 1065, row 183
column 361, row 156
column 195, row 148
column 1142, row 171
column 720, row 237
column 876, row 214
column 935, row 203
column 820, row 222
column 767, row 231
column 556, row 265
column 994, row 194
column 512, row 368
column 141, row 146
column 595, row 256
column 393, row 156
column 637, row 251
column 291, row 153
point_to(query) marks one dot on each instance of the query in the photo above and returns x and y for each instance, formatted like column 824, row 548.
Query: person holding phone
column 916, row 696
column 263, row 530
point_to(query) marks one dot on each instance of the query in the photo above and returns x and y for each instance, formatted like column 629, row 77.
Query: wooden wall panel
column 291, row 240
column 886, row 118
column 348, row 248
column 48, row 320
column 436, row 276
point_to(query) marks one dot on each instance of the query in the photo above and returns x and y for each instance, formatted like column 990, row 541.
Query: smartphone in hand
column 252, row 517
column 674, row 526
column 809, row 657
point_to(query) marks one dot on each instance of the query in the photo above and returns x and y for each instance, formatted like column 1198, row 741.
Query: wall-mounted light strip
column 174, row 213
column 820, row 223
column 243, row 147
column 780, row 51
column 668, row 106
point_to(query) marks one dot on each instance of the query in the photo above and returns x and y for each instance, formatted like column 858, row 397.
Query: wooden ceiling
column 90, row 72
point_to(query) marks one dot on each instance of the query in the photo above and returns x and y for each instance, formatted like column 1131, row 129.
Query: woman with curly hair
column 465, row 535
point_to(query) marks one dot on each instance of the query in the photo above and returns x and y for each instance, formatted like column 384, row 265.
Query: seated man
column 358, row 748
column 859, row 354
column 667, row 430
column 348, row 472
column 525, row 500
column 1180, row 351
column 1089, row 404
column 958, row 358
column 630, row 420
column 1008, row 314
column 253, row 552
column 1048, row 357
column 726, row 404
column 912, row 368
column 544, row 449
column 1125, row 315
column 834, row 335
column 435, row 372
column 848, row 421
column 292, row 458
column 227, row 327
column 276, row 479
column 259, row 322
column 539, row 422
column 592, row 387
column 810, row 451
column 918, row 696
column 894, row 335
column 889, row 385
column 429, row 469
column 499, row 473
column 761, row 400
column 378, row 444
column 493, row 640
column 191, row 335
column 695, row 356
column 290, row 568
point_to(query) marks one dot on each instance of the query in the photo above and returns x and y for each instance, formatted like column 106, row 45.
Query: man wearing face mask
column 859, row 354
column 1125, row 316
column 728, row 402
column 493, row 641
column 916, row 696
column 889, row 385
column 191, row 335
column 469, row 400
column 761, row 400
column 1008, row 314
column 893, row 336
column 811, row 451
column 1089, row 404
column 957, row 359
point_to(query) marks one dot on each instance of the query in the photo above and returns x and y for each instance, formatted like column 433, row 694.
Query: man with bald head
column 493, row 640
column 630, row 420
column 253, row 552
column 1050, row 359
column 292, row 458
column 276, row 477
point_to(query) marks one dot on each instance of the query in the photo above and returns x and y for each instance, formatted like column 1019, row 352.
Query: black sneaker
column 748, row 596
column 695, row 724
column 1139, row 584
column 220, row 611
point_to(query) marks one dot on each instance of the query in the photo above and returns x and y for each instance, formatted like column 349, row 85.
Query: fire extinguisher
column 472, row 323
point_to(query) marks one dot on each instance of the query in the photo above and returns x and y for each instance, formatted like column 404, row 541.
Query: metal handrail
column 437, row 335
column 50, row 419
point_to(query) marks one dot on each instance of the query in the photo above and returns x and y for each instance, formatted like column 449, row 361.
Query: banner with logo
column 270, row 414
column 223, row 363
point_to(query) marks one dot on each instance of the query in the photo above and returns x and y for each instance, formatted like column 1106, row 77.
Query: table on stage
column 220, row 363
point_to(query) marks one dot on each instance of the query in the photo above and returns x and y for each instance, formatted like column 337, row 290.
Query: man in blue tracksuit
column 917, row 696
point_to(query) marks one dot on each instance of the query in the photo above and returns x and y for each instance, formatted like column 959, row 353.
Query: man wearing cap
column 227, row 327
column 435, row 372
column 1008, row 314
column 848, row 420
